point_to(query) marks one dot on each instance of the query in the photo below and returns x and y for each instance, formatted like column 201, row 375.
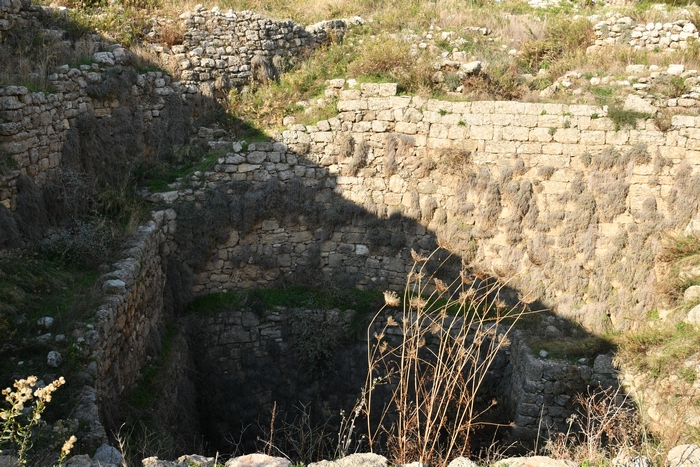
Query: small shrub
column 606, row 422
column 639, row 153
column 455, row 159
column 23, row 416
column 609, row 159
column 622, row 118
column 390, row 59
column 389, row 166
column 546, row 172
column 171, row 34
column 562, row 37
column 359, row 158
column 449, row 339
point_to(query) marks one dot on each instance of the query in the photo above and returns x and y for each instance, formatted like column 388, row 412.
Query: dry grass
column 434, row 355
column 606, row 426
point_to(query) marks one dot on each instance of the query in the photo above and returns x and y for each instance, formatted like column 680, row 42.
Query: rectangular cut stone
column 436, row 105
column 552, row 148
column 481, row 132
column 567, row 135
column 438, row 131
column 499, row 119
column 457, row 132
column 648, row 137
column 551, row 109
column 388, row 89
column 461, row 107
column 582, row 110
column 399, row 102
column 540, row 135
column 530, row 148
column 439, row 143
column 350, row 94
column 553, row 160
column 509, row 107
column 431, row 117
column 592, row 137
column 692, row 156
column 550, row 121
column 515, row 133
column 323, row 136
column 687, row 121
column 378, row 103
column 693, row 133
column 379, row 126
column 500, row 147
column 604, row 124
column 472, row 119
column 369, row 89
column 362, row 127
column 450, row 119
column 407, row 128
column 529, row 121
column 482, row 107
column 617, row 138
column 350, row 106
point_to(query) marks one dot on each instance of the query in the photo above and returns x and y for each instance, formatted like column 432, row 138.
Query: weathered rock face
column 551, row 196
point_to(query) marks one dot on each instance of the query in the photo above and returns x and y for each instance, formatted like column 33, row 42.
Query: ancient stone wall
column 218, row 46
column 298, row 360
column 130, row 324
column 36, row 125
column 616, row 30
column 555, row 198
column 543, row 390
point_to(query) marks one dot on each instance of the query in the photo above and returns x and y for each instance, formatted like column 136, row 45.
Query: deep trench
column 281, row 382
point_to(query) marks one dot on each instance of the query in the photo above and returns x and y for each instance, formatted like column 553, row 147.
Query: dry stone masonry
column 35, row 125
column 551, row 196
column 615, row 30
column 218, row 47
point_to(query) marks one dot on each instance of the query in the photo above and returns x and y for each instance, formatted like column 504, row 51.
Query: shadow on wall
column 278, row 220
column 269, row 217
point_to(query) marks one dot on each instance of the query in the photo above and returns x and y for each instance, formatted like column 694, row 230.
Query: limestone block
column 680, row 121
column 567, row 135
column 510, row 107
column 399, row 102
column 104, row 58
column 352, row 105
column 617, row 138
column 258, row 460
column 500, row 120
column 550, row 121
column 692, row 294
column 516, row 133
column 500, row 147
column 438, row 130
column 530, row 148
column 458, row 133
column 378, row 103
column 406, row 128
column 484, row 132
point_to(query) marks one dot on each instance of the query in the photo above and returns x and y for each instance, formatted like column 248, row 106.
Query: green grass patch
column 259, row 300
column 158, row 175
column 622, row 118
column 660, row 351
column 572, row 348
